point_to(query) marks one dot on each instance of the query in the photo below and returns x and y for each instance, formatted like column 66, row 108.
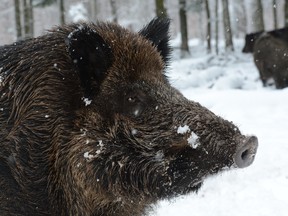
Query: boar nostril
column 245, row 154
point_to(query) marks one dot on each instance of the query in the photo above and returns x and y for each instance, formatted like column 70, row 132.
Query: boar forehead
column 134, row 57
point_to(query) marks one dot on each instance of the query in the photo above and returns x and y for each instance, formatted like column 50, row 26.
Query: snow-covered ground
column 229, row 86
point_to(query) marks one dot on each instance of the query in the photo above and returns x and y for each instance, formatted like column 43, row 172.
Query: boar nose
column 246, row 152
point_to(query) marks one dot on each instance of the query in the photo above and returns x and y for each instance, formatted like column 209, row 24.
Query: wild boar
column 271, row 58
column 251, row 38
column 90, row 125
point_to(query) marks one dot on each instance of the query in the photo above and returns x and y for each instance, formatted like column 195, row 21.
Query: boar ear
column 157, row 31
column 91, row 55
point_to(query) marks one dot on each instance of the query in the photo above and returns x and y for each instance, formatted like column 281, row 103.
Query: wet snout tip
column 245, row 154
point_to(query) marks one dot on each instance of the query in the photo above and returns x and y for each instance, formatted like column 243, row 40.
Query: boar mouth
column 196, row 185
column 186, row 188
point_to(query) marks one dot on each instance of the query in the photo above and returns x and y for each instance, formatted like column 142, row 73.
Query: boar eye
column 134, row 103
column 132, row 99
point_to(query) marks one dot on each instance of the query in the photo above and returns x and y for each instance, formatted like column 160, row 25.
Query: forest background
column 207, row 20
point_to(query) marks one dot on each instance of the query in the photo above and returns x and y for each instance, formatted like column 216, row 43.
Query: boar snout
column 246, row 152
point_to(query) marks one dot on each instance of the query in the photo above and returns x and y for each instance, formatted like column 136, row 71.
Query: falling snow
column 86, row 101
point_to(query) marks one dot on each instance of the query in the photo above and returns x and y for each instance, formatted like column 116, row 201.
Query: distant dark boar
column 251, row 38
column 91, row 126
column 271, row 58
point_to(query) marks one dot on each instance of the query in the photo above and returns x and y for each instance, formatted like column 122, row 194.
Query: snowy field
column 230, row 87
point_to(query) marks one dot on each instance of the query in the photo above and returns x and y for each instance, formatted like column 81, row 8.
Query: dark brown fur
column 118, row 154
column 271, row 58
column 250, row 41
column 251, row 38
column 270, row 51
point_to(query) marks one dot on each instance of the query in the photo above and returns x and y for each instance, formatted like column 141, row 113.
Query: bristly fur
column 89, row 124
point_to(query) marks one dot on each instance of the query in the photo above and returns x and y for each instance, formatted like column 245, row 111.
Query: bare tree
column 286, row 13
column 18, row 20
column 62, row 12
column 94, row 10
column 183, row 28
column 275, row 14
column 28, row 19
column 227, row 27
column 216, row 27
column 160, row 8
column 114, row 11
column 239, row 19
column 256, row 12
column 208, row 33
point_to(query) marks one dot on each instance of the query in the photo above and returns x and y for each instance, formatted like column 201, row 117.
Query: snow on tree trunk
column 94, row 9
column 114, row 11
column 208, row 33
column 216, row 27
column 28, row 19
column 227, row 27
column 183, row 28
column 18, row 20
column 286, row 13
column 254, row 16
column 275, row 14
column 160, row 8
column 62, row 12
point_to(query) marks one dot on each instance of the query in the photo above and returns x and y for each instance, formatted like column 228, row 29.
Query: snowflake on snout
column 192, row 139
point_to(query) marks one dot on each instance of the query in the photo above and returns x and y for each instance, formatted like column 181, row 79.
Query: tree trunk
column 275, row 14
column 286, row 13
column 208, row 33
column 28, row 19
column 227, row 27
column 114, row 11
column 160, row 8
column 18, row 20
column 62, row 12
column 257, row 15
column 216, row 27
column 183, row 28
column 94, row 9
